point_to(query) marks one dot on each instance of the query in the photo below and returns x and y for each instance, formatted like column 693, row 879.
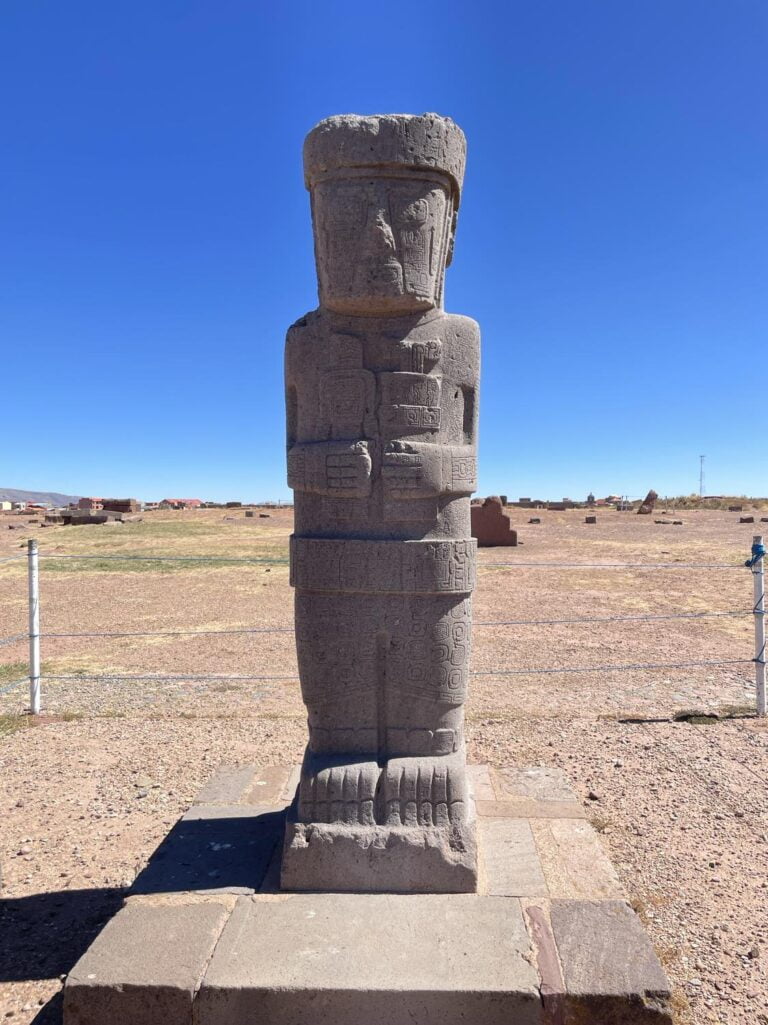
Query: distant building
column 91, row 504
column 180, row 503
column 19, row 506
column 123, row 505
column 5, row 506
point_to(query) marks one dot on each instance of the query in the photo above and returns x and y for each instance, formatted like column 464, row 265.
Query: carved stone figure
column 381, row 394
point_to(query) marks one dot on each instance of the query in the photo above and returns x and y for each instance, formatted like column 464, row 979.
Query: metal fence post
column 34, row 628
column 757, row 565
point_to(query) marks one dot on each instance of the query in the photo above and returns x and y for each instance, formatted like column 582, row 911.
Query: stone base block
column 212, row 940
column 379, row 859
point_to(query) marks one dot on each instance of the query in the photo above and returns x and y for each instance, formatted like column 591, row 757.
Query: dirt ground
column 88, row 792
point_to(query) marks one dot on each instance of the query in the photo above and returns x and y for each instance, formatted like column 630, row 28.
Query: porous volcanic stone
column 612, row 975
column 145, row 966
column 382, row 407
column 372, row 959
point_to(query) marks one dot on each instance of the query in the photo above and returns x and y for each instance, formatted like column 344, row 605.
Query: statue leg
column 425, row 781
column 338, row 670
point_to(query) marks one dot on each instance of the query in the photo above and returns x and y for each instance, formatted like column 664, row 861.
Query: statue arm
column 336, row 469
column 425, row 470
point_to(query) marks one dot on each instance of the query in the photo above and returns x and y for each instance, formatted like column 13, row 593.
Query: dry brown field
column 88, row 791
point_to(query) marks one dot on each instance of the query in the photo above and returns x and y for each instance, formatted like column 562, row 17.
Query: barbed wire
column 161, row 676
column 197, row 677
column 168, row 558
column 12, row 686
column 611, row 565
column 172, row 633
column 12, row 639
column 611, row 668
column 612, row 619
column 289, row 629
column 284, row 561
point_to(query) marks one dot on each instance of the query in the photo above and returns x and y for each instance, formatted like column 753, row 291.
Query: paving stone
column 574, row 862
column 612, row 976
column 214, row 848
column 510, row 859
column 228, row 785
column 480, row 780
column 270, row 785
column 527, row 808
column 145, row 966
column 537, row 782
column 372, row 959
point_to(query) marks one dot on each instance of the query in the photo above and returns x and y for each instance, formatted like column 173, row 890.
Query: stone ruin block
column 490, row 524
column 648, row 504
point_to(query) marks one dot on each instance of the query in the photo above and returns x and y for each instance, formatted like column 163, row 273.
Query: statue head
column 385, row 191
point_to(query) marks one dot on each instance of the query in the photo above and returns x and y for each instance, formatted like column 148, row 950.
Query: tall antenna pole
column 701, row 476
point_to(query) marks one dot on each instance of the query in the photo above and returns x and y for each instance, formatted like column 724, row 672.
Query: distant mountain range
column 43, row 497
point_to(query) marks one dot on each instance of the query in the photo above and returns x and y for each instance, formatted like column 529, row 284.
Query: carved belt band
column 383, row 567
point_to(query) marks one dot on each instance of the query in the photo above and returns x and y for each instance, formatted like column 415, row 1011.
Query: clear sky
column 155, row 238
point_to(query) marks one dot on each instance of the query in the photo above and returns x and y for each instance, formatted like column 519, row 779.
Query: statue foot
column 425, row 791
column 334, row 788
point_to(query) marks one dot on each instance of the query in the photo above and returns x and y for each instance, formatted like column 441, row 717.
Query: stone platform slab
column 206, row 937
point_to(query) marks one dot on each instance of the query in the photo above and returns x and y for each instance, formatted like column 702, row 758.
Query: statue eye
column 416, row 212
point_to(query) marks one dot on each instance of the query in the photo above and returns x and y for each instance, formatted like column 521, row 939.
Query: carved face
column 381, row 243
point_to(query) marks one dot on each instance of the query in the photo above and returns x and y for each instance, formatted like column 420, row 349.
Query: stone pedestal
column 206, row 937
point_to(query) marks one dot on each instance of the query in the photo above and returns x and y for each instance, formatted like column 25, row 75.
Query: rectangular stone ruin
column 491, row 527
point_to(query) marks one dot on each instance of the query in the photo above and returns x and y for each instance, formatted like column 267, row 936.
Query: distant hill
column 43, row 497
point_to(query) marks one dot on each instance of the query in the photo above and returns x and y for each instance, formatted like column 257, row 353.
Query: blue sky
column 155, row 239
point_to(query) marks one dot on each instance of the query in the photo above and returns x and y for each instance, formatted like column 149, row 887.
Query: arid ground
column 87, row 792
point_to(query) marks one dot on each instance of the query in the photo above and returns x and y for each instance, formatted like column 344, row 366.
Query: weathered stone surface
column 574, row 861
column 536, row 782
column 214, row 848
column 372, row 959
column 227, row 785
column 272, row 784
column 491, row 526
column 145, row 966
column 510, row 861
column 528, row 808
column 612, row 975
column 381, row 399
column 481, row 782
column 648, row 504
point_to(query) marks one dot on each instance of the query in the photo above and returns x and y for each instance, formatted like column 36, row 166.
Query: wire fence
column 34, row 636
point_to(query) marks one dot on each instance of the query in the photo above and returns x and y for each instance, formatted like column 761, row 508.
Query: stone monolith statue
column 381, row 392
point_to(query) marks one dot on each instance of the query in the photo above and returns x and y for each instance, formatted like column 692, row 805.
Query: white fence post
column 34, row 628
column 758, row 577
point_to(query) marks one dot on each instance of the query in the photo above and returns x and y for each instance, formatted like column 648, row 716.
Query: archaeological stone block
column 491, row 526
column 145, row 966
column 610, row 970
column 372, row 959
column 648, row 504
column 382, row 407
